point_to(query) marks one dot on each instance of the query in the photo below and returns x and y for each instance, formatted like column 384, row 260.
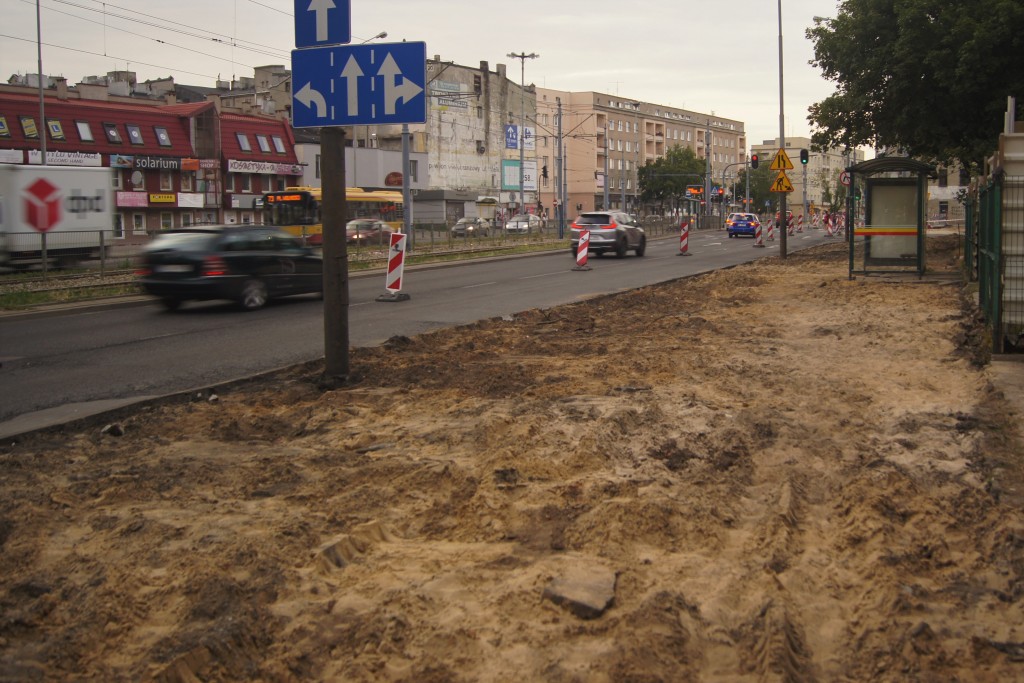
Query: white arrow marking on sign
column 309, row 97
column 392, row 91
column 320, row 8
column 352, row 72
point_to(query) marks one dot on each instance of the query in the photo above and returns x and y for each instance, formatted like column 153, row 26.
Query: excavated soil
column 768, row 473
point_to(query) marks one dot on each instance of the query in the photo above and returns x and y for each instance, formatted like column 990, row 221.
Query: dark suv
column 609, row 231
column 246, row 264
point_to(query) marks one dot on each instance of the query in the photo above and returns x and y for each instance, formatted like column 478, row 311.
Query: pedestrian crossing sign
column 782, row 183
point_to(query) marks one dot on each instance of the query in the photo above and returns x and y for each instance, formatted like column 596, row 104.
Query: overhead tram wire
column 133, row 33
column 203, row 34
column 114, row 57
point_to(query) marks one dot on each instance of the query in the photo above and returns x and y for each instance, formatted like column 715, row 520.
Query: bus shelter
column 891, row 237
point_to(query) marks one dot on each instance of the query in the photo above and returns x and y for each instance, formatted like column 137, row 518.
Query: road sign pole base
column 392, row 297
column 581, row 268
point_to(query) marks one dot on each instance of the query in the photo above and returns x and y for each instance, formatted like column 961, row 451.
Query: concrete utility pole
column 707, row 174
column 782, row 145
column 522, row 57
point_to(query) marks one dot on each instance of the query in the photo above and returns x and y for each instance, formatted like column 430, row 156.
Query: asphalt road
column 56, row 368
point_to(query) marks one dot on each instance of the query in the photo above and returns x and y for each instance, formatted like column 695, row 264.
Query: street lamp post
column 522, row 57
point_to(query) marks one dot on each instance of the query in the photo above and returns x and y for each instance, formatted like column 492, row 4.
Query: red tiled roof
column 251, row 126
column 97, row 113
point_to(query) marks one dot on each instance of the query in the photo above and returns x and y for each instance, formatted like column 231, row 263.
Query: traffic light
column 754, row 161
column 544, row 171
column 803, row 157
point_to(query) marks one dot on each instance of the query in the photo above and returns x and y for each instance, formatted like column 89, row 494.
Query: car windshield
column 594, row 219
column 518, row 219
column 184, row 241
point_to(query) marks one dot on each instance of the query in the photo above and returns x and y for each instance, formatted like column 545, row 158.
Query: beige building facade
column 607, row 138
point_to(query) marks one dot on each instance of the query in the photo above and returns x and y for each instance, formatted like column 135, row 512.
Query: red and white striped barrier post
column 581, row 251
column 396, row 267
column 757, row 234
column 800, row 223
column 684, row 238
column 828, row 226
column 771, row 231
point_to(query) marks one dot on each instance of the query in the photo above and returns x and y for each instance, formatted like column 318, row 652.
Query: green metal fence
column 995, row 258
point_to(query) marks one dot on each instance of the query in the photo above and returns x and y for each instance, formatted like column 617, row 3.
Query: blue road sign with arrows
column 322, row 22
column 359, row 85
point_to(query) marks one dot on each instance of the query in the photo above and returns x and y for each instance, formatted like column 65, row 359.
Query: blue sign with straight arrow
column 359, row 85
column 322, row 22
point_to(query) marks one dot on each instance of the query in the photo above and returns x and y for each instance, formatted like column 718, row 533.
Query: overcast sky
column 720, row 57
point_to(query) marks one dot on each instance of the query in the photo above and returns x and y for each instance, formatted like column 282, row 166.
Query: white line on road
column 481, row 284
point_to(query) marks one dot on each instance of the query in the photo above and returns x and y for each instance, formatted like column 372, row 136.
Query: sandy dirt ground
column 768, row 473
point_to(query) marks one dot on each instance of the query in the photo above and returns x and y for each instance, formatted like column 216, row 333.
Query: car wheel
column 170, row 303
column 621, row 248
column 254, row 295
column 642, row 247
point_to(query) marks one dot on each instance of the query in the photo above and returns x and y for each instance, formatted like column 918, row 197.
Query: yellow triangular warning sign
column 781, row 162
column 782, row 183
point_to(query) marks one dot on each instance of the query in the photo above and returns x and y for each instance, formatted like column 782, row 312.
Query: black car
column 249, row 265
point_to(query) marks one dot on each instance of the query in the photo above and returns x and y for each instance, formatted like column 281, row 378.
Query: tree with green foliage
column 929, row 77
column 664, row 180
column 760, row 187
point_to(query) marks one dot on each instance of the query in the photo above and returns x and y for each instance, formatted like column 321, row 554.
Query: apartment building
column 816, row 184
column 607, row 138
column 174, row 164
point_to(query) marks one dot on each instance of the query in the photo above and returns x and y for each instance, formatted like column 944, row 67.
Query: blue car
column 742, row 224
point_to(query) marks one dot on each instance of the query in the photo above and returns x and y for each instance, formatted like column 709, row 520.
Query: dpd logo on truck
column 42, row 205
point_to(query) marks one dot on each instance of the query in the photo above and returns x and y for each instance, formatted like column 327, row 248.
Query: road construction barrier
column 800, row 223
column 816, row 220
column 396, row 268
column 581, row 251
column 684, row 238
column 828, row 226
column 771, row 231
column 757, row 234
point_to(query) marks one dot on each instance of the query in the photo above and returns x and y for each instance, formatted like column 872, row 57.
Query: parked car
column 368, row 231
column 609, row 231
column 249, row 265
column 742, row 224
column 524, row 222
column 471, row 227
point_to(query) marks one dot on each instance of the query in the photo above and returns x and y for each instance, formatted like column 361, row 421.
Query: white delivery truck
column 62, row 214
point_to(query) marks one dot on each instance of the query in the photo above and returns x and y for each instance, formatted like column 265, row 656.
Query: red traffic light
column 753, row 161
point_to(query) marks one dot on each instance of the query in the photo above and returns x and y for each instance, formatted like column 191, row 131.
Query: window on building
column 84, row 131
column 115, row 179
column 187, row 180
column 246, row 184
column 943, row 177
column 264, row 143
column 414, row 167
column 162, row 138
column 56, row 130
column 965, row 177
column 246, row 217
column 166, row 180
column 278, row 143
column 243, row 142
column 138, row 224
column 118, row 225
column 134, row 134
column 479, row 112
column 166, row 220
column 113, row 134
column 186, row 219
column 28, row 127
column 230, row 183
